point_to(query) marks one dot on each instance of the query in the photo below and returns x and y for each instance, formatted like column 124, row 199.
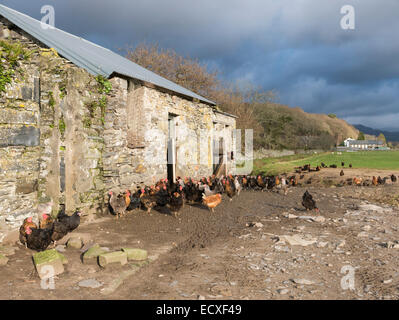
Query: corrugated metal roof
column 94, row 58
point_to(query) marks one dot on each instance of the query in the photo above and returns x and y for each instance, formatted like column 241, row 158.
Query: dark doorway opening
column 171, row 152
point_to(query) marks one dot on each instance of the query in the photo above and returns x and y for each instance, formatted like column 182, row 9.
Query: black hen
column 162, row 197
column 60, row 230
column 176, row 202
column 135, row 201
column 38, row 239
column 190, row 190
column 308, row 202
column 393, row 178
column 71, row 222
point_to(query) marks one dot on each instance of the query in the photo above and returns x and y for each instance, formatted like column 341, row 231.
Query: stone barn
column 77, row 120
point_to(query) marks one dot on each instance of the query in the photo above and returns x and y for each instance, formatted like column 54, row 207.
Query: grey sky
column 294, row 46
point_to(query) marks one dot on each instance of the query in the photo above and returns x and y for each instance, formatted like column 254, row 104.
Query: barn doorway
column 171, row 152
column 219, row 166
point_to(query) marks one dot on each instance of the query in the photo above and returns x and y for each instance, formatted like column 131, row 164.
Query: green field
column 384, row 160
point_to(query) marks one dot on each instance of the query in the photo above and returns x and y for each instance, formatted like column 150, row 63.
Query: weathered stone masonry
column 125, row 166
column 66, row 138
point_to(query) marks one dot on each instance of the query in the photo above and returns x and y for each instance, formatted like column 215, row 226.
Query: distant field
column 384, row 160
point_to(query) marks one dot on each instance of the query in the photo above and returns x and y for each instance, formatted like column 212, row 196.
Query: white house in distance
column 363, row 144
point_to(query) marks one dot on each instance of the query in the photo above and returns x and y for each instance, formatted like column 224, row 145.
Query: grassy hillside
column 384, row 160
column 292, row 128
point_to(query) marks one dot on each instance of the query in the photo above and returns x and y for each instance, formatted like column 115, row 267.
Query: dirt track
column 222, row 256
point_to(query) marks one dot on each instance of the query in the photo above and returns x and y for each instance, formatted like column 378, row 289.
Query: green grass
column 384, row 160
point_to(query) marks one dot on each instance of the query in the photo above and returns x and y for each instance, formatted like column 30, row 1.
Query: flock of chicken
column 50, row 230
column 207, row 191
column 165, row 193
column 375, row 181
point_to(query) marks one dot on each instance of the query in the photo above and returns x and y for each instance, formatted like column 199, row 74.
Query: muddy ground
column 245, row 250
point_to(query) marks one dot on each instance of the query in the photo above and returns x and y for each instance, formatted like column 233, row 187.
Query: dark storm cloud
column 294, row 46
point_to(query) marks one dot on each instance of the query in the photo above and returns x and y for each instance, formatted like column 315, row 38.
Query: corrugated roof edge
column 80, row 60
column 226, row 113
column 69, row 55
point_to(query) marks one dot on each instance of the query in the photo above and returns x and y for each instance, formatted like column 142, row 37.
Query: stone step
column 112, row 257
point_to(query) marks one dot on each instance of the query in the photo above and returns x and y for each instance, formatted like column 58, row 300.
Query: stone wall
column 51, row 128
column 19, row 139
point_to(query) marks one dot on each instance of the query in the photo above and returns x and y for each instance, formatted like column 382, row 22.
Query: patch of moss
column 11, row 53
column 51, row 100
column 5, row 77
column 57, row 70
column 104, row 86
column 87, row 122
column 63, row 93
column 62, row 126
column 46, row 256
column 91, row 106
column 103, row 105
column 103, row 102
column 62, row 87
